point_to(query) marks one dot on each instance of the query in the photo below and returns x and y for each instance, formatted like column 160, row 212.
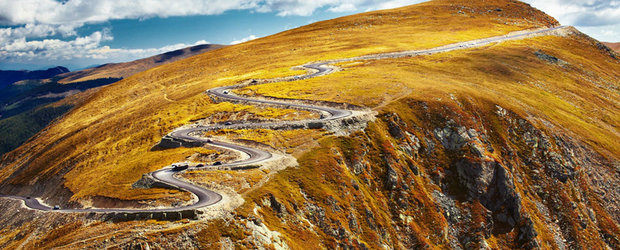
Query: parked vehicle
column 179, row 167
column 217, row 163
column 56, row 207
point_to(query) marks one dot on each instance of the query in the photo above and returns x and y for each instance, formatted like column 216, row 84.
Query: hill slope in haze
column 123, row 70
column 509, row 145
column 7, row 77
column 28, row 106
column 613, row 46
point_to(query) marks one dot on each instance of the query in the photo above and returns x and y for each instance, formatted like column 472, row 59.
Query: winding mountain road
column 207, row 197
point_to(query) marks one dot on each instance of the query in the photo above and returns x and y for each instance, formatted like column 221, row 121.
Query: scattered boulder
column 391, row 179
column 476, row 175
column 454, row 139
column 549, row 58
column 168, row 142
column 147, row 181
column 276, row 206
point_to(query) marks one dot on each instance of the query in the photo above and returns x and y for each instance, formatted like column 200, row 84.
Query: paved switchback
column 255, row 155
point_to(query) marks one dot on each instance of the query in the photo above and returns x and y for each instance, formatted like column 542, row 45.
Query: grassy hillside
column 126, row 119
column 7, row 77
column 29, row 106
column 613, row 46
column 28, row 99
column 122, row 70
column 574, row 100
column 509, row 74
column 508, row 146
column 17, row 129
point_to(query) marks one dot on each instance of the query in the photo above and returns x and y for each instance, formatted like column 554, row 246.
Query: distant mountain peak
column 10, row 76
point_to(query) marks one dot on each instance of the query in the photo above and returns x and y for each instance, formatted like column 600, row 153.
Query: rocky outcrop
column 173, row 142
column 153, row 215
column 485, row 179
column 147, row 181
column 549, row 58
column 391, row 179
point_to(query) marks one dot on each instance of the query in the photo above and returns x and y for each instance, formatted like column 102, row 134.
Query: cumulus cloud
column 53, row 49
column 32, row 22
column 306, row 8
column 245, row 39
column 91, row 11
column 584, row 13
column 86, row 47
column 78, row 12
column 46, row 29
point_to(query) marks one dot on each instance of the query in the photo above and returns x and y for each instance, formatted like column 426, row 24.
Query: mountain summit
column 446, row 124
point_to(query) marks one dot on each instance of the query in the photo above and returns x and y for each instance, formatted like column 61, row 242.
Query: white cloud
column 53, row 49
column 607, row 33
column 90, row 11
column 345, row 7
column 87, row 47
column 36, row 25
column 598, row 18
column 33, row 22
column 245, row 39
column 79, row 12
column 582, row 13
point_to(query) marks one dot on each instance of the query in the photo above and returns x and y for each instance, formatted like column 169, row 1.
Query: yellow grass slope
column 569, row 93
column 575, row 97
column 103, row 146
column 123, row 70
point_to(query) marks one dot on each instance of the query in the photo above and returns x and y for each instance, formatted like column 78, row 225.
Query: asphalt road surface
column 255, row 155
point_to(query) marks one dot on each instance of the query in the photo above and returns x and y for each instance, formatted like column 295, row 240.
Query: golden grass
column 239, row 181
column 580, row 97
column 124, row 70
column 290, row 141
column 105, row 142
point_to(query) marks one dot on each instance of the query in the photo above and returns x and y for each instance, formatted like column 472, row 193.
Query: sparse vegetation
column 487, row 146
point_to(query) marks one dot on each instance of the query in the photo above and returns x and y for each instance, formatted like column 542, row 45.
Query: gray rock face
column 147, row 181
column 170, row 142
column 490, row 182
column 448, row 205
column 391, row 179
column 476, row 176
column 549, row 58
column 482, row 178
column 454, row 138
column 276, row 206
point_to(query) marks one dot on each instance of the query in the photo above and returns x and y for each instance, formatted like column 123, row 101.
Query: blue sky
column 36, row 34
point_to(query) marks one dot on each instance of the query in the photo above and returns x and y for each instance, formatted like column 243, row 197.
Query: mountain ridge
column 490, row 147
column 8, row 77
column 122, row 70
column 613, row 46
column 32, row 101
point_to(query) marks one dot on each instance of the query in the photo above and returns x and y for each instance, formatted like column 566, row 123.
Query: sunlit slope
column 103, row 146
column 123, row 70
column 578, row 92
column 613, row 46
column 565, row 86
